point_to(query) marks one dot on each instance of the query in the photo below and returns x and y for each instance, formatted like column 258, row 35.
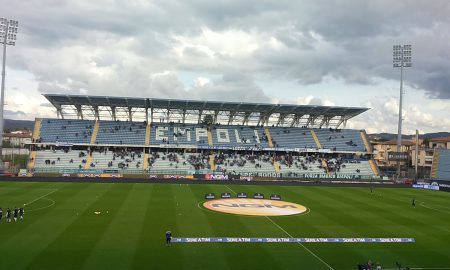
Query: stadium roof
column 83, row 106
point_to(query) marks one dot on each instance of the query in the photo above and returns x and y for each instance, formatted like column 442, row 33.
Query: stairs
column 147, row 135
column 375, row 169
column 32, row 160
column 434, row 167
column 365, row 139
column 146, row 156
column 210, row 140
column 95, row 132
column 211, row 162
column 88, row 162
column 316, row 139
column 269, row 139
column 325, row 165
column 276, row 166
column 37, row 128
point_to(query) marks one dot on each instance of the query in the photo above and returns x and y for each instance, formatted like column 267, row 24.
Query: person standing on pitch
column 16, row 213
column 8, row 215
column 21, row 212
column 168, row 238
column 414, row 202
column 1, row 214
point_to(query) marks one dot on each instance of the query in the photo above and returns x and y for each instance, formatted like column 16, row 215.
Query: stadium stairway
column 366, row 141
column 375, row 169
column 95, row 132
column 325, row 165
column 434, row 167
column 147, row 134
column 211, row 162
column 210, row 138
column 37, row 128
column 32, row 161
column 276, row 166
column 269, row 140
column 145, row 163
column 88, row 162
column 316, row 139
column 147, row 142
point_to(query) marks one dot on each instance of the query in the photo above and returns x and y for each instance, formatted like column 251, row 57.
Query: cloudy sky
column 281, row 51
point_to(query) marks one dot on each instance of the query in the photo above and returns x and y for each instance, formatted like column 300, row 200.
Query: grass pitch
column 61, row 230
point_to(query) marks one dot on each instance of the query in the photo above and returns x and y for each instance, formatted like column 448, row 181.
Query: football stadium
column 120, row 183
column 168, row 134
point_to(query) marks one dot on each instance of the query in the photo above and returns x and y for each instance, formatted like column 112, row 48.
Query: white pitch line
column 28, row 203
column 307, row 249
column 231, row 189
column 435, row 209
column 44, row 207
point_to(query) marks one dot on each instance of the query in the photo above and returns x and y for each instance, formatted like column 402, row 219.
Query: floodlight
column 8, row 36
column 401, row 58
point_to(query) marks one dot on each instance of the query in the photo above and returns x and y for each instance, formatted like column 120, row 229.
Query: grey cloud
column 129, row 40
column 14, row 114
column 231, row 87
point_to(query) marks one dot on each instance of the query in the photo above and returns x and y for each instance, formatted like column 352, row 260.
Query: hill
column 391, row 136
column 18, row 124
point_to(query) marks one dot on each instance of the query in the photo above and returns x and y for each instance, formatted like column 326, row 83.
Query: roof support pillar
column 216, row 114
column 79, row 112
column 341, row 120
column 113, row 113
column 96, row 114
column 183, row 115
column 59, row 113
column 295, row 120
column 281, row 119
column 246, row 117
column 130, row 114
column 311, row 120
column 231, row 117
column 200, row 112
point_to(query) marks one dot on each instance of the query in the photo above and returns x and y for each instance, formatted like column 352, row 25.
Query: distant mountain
column 390, row 136
column 18, row 124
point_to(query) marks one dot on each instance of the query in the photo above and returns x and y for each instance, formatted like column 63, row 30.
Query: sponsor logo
column 255, row 207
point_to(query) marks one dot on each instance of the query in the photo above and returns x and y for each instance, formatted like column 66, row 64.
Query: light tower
column 401, row 59
column 8, row 35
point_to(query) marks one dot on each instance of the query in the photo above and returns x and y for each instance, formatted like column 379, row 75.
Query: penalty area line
column 45, row 195
column 431, row 208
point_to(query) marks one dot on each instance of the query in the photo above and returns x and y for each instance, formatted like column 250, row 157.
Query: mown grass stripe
column 84, row 232
column 125, row 228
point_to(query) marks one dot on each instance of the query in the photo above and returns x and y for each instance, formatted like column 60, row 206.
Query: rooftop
column 154, row 109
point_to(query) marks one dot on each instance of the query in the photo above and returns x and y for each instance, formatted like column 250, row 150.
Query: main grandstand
column 146, row 137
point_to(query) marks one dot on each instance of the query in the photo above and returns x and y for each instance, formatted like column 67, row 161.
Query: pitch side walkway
column 334, row 183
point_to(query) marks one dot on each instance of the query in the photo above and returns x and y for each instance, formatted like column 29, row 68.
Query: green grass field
column 61, row 231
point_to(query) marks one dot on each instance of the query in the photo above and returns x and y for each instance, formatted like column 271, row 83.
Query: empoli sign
column 255, row 207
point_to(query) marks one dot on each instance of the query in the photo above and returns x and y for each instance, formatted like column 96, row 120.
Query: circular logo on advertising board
column 255, row 207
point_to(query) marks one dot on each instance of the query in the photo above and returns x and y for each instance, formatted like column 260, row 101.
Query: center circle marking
column 255, row 207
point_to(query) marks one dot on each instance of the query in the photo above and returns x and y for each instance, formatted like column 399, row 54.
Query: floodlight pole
column 400, row 118
column 3, row 90
column 401, row 61
column 8, row 39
